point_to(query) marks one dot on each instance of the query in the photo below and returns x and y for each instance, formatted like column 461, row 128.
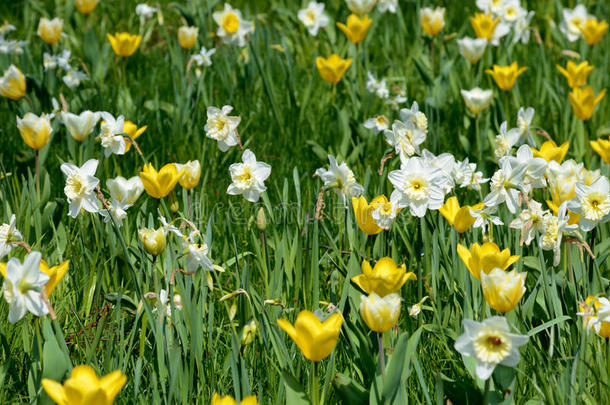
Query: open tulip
column 385, row 278
column 602, row 147
column 12, row 84
column 55, row 273
column 576, row 74
column 583, row 102
column 477, row 99
column 459, row 217
column 505, row 76
column 356, row 28
column 153, row 240
column 133, row 131
column 229, row 400
column 315, row 339
column 35, row 130
column 85, row 388
column 593, row 31
column 80, row 126
column 484, row 258
column 187, row 36
column 380, row 314
column 503, row 289
column 123, row 43
column 50, row 30
column 333, row 68
column 550, row 151
column 86, row 6
column 363, row 213
column 432, row 20
column 484, row 25
column 160, row 184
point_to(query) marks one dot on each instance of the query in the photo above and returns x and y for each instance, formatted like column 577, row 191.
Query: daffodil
column 123, row 43
column 383, row 279
column 380, row 313
column 363, row 211
column 549, row 151
column 133, row 131
column 248, row 178
column 484, row 258
column 153, row 240
column 86, row 6
column 405, row 137
column 505, row 76
column 583, row 102
column 592, row 203
column 333, row 68
column 484, row 25
column 356, row 28
column 596, row 314
column 159, row 184
column 232, row 28
column 432, row 20
column 477, row 99
column 316, row 339
column 574, row 21
column 80, row 187
column 85, row 388
column 12, row 83
column 111, row 134
column 472, row 48
column 229, row 400
column 80, row 126
column 340, row 178
column 502, row 289
column 593, row 31
column 35, row 131
column 9, row 234
column 50, row 30
column 602, row 147
column 459, row 217
column 313, row 17
column 576, row 74
column 187, row 36
column 191, row 174
column 222, row 127
column 385, row 213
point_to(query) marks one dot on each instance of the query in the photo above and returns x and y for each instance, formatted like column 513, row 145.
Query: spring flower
column 222, row 127
column 123, row 43
column 377, row 87
column 503, row 290
column 459, row 217
column 380, row 314
column 153, row 240
column 145, row 11
column 521, row 27
column 229, row 400
column 85, row 6
column 549, row 151
column 554, row 228
column 477, row 99
column 80, row 187
column 111, row 134
column 385, row 213
column 534, row 168
column 432, row 20
column 383, row 279
column 361, row 7
column 530, row 221
column 117, row 211
column 576, row 74
column 485, row 216
column 387, row 5
column 55, row 273
column 378, row 123
column 405, row 138
column 596, row 313
column 466, row 175
column 164, row 300
column 583, row 102
column 363, row 211
column 132, row 130
column 505, row 185
column 313, row 17
column 204, row 57
column 592, row 203
column 232, row 28
column 8, row 234
column 191, row 174
column 484, row 25
column 340, row 178
column 315, row 339
column 574, row 21
column 248, row 177
column 524, row 123
column 187, row 36
column 417, row 117
column 505, row 76
column 333, row 68
column 122, row 189
column 197, row 256
column 356, row 28
column 80, row 126
column 485, row 257
column 22, row 287
column 248, row 333
column 159, row 184
column 593, row 31
column 84, row 387
column 12, row 84
column 73, row 78
column 35, row 131
column 602, row 147
column 490, row 343
column 472, row 48
column 50, row 30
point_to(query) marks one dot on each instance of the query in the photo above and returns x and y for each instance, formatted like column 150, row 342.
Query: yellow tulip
column 153, row 240
column 356, row 28
column 459, row 217
column 485, row 257
column 561, row 192
column 593, row 31
column 576, row 74
column 593, row 305
column 315, row 339
column 484, row 25
column 432, row 20
column 602, row 147
column 187, row 36
column 86, row 6
column 35, row 131
column 229, row 400
column 123, row 43
column 333, row 68
column 133, row 131
column 55, row 273
column 50, row 30
column 583, row 102
column 505, row 76
column 380, row 314
column 384, row 279
column 160, row 184
column 85, row 388
column 363, row 211
column 191, row 173
column 550, row 151
column 502, row 289
column 12, row 84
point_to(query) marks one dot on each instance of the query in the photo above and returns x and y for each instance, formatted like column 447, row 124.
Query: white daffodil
column 511, row 11
column 360, row 7
column 418, row 185
column 232, row 28
column 197, row 256
column 573, row 21
column 378, row 123
column 80, row 187
column 164, row 300
column 506, row 140
column 145, row 11
column 530, row 221
column 111, row 134
column 505, row 186
column 387, row 5
column 535, row 167
column 522, row 28
column 385, row 213
column 417, row 117
column 396, row 101
column 118, row 211
column 23, row 286
column 248, row 177
column 491, row 6
column 340, row 178
column 80, row 126
column 477, row 99
column 167, row 227
column 592, row 203
column 484, row 217
column 127, row 190
column 222, row 127
column 524, row 123
column 73, row 78
column 465, row 174
column 8, row 234
column 502, row 29
column 377, row 87
column 472, row 48
column 595, row 312
column 405, row 138
column 60, row 60
column 553, row 229
column 490, row 343
column 445, row 162
column 204, row 57
column 313, row 17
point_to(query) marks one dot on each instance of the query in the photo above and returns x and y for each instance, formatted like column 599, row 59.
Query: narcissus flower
column 160, row 184
column 123, row 43
column 229, row 400
column 313, row 17
column 86, row 6
column 602, row 147
column 35, row 131
column 593, row 31
column 248, row 177
column 380, row 314
column 432, row 20
column 111, row 134
column 459, row 217
column 316, row 339
column 576, row 74
column 9, row 234
column 484, row 258
column 55, row 273
column 187, row 36
column 484, row 25
column 190, row 174
column 356, row 28
column 596, row 314
column 592, row 203
column 472, row 48
column 80, row 187
column 363, row 211
column 333, row 68
column 12, row 83
column 477, row 99
column 340, row 178
column 583, row 102
column 550, row 151
column 85, row 388
column 222, row 127
column 232, row 28
column 574, row 21
column 80, row 126
column 153, row 240
column 133, row 131
column 503, row 289
column 383, row 279
column 50, row 30
column 505, row 76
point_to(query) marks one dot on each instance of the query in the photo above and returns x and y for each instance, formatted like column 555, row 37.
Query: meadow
column 419, row 187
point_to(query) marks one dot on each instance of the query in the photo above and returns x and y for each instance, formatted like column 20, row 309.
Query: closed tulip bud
column 361, row 7
column 602, row 147
column 472, row 49
column 503, row 290
column 86, row 6
column 477, row 100
column 187, row 36
column 380, row 314
column 333, row 68
column 160, row 184
column 384, row 279
column 363, row 213
column 124, row 44
column 84, row 387
column 50, row 30
column 261, row 221
column 80, row 126
column 153, row 240
column 505, row 76
column 356, row 28
column 35, row 130
column 550, row 151
column 12, row 84
column 248, row 333
column 576, row 74
column 229, row 400
column 484, row 258
column 191, row 172
column 459, row 217
column 432, row 20
column 593, row 31
column 583, row 102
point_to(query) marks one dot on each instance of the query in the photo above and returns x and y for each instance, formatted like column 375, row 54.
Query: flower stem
column 315, row 394
column 486, row 392
column 37, row 177
column 381, row 355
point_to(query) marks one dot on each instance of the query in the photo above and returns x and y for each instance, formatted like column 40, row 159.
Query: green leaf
column 350, row 391
column 395, row 367
column 295, row 394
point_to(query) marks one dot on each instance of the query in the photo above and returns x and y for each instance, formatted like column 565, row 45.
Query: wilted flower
column 477, row 99
column 123, row 43
column 432, row 20
column 316, row 339
column 50, row 30
column 313, row 17
column 333, row 68
column 576, row 74
column 222, row 127
column 197, row 256
column 459, row 217
column 505, row 76
column 380, row 313
column 8, row 234
column 12, row 83
column 248, row 178
column 503, row 290
column 83, row 387
column 472, row 48
column 383, row 279
column 187, row 36
column 583, row 102
column 340, row 178
column 80, row 126
column 356, row 28
column 35, row 131
column 485, row 257
column 80, row 187
column 232, row 28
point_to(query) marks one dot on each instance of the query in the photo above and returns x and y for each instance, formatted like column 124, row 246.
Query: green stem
column 478, row 140
column 486, row 392
column 315, row 394
column 37, row 177
column 381, row 355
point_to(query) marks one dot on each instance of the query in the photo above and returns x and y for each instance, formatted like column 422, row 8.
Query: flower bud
column 153, row 240
column 380, row 314
column 50, row 30
column 261, row 221
column 248, row 333
column 12, row 84
column 187, row 36
column 35, row 130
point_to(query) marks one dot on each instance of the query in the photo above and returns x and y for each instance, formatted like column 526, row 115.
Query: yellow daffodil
column 356, row 27
column 123, row 43
column 590, row 312
column 484, row 25
column 384, row 279
column 35, row 131
column 85, row 388
column 380, row 314
column 485, row 257
column 550, row 151
column 12, row 84
column 333, row 68
column 459, row 217
column 160, row 184
column 133, row 131
column 315, row 339
column 50, row 30
column 505, row 76
column 229, row 400
column 86, row 6
column 153, row 240
column 55, row 273
column 432, row 20
column 503, row 289
column 593, row 31
column 576, row 74
column 187, row 36
column 583, row 102
column 363, row 210
column 602, row 147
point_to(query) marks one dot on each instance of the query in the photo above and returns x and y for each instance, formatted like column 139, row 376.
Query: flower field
column 294, row 202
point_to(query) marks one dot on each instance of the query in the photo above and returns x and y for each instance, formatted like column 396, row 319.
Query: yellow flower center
column 74, row 186
column 386, row 208
column 230, row 23
column 311, row 16
column 417, row 190
column 246, row 176
column 492, row 346
column 595, row 206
